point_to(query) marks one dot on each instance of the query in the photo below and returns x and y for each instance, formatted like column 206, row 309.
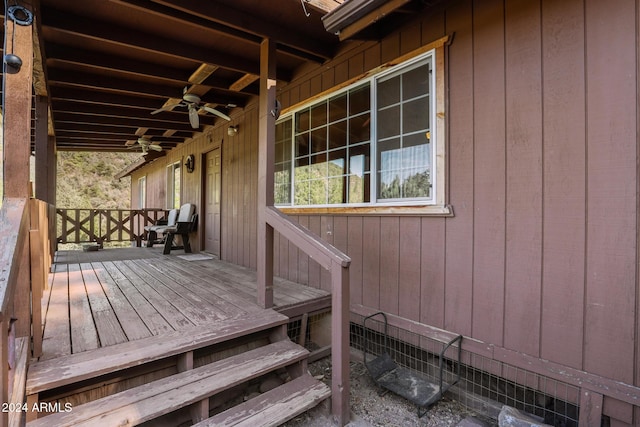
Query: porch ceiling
column 106, row 65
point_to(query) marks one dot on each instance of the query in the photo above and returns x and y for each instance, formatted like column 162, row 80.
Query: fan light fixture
column 232, row 130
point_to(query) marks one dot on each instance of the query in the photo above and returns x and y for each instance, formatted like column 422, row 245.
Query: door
column 212, row 202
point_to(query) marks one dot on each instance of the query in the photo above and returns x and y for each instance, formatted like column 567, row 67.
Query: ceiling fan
column 194, row 106
column 145, row 144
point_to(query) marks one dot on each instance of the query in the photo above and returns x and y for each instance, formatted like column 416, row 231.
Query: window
column 142, row 192
column 371, row 144
column 173, row 186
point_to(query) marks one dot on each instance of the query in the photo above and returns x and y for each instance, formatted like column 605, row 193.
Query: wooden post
column 38, row 275
column 590, row 408
column 340, row 343
column 44, row 186
column 17, row 111
column 266, row 142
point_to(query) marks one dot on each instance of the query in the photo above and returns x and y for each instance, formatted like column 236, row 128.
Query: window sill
column 431, row 210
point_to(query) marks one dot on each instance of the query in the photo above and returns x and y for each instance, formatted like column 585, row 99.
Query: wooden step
column 54, row 373
column 275, row 406
column 152, row 400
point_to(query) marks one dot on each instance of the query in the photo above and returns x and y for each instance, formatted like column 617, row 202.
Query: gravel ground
column 369, row 409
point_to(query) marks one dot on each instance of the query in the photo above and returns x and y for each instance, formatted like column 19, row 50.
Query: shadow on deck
column 194, row 310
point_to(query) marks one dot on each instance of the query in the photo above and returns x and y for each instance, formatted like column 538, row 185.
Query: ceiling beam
column 240, row 20
column 110, row 84
column 179, row 115
column 62, row 118
column 57, row 53
column 65, row 22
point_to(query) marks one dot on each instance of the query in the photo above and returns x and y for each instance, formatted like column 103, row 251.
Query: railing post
column 4, row 366
column 340, row 343
column 38, row 257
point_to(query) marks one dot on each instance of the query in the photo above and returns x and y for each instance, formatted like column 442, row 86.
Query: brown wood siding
column 564, row 186
column 541, row 254
column 611, row 181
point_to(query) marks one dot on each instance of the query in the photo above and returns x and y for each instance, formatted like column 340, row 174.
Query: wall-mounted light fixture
column 232, row 130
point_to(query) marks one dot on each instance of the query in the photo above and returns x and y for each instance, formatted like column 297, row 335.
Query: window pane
column 319, row 115
column 338, row 135
column 415, row 82
column 337, row 193
column 359, row 100
column 338, row 108
column 317, row 192
column 388, row 92
column 337, row 162
column 359, row 188
column 389, row 155
column 282, row 179
column 389, row 122
column 302, row 193
column 416, row 183
column 176, row 186
column 319, row 140
column 302, row 121
column 318, row 168
column 415, row 115
column 359, row 128
column 302, row 144
column 360, row 159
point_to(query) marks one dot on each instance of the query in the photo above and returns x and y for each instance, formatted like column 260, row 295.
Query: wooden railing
column 334, row 260
column 25, row 259
column 105, row 225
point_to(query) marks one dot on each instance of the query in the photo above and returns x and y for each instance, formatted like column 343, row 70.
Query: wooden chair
column 159, row 228
column 186, row 223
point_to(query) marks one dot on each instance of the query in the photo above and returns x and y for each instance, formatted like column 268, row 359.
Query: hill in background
column 86, row 180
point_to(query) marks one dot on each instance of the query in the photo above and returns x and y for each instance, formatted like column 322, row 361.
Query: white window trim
column 142, row 192
column 438, row 206
column 171, row 191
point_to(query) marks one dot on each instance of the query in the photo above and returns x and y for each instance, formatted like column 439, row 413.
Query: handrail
column 337, row 262
column 14, row 229
column 319, row 250
column 14, row 240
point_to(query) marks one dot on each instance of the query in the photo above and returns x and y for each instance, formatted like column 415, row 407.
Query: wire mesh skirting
column 483, row 381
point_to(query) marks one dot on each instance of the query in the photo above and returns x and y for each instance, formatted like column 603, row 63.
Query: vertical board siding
column 459, row 230
column 389, row 262
column 409, row 266
column 541, row 254
column 611, row 181
column 489, row 171
column 432, row 270
column 564, row 187
column 524, row 177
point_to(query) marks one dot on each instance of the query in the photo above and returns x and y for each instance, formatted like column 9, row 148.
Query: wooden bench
column 152, row 400
column 273, row 407
column 54, row 373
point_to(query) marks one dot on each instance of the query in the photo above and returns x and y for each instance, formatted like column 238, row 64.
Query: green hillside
column 86, row 180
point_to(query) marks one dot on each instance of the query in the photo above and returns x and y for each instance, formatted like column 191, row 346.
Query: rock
column 511, row 417
column 472, row 422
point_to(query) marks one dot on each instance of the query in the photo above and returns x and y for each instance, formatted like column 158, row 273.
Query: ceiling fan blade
column 193, row 117
column 216, row 112
column 165, row 108
column 154, row 147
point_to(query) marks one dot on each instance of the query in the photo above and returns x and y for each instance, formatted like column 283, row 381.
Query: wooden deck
column 98, row 299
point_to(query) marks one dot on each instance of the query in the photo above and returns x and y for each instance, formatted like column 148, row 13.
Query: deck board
column 83, row 331
column 120, row 295
column 133, row 326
